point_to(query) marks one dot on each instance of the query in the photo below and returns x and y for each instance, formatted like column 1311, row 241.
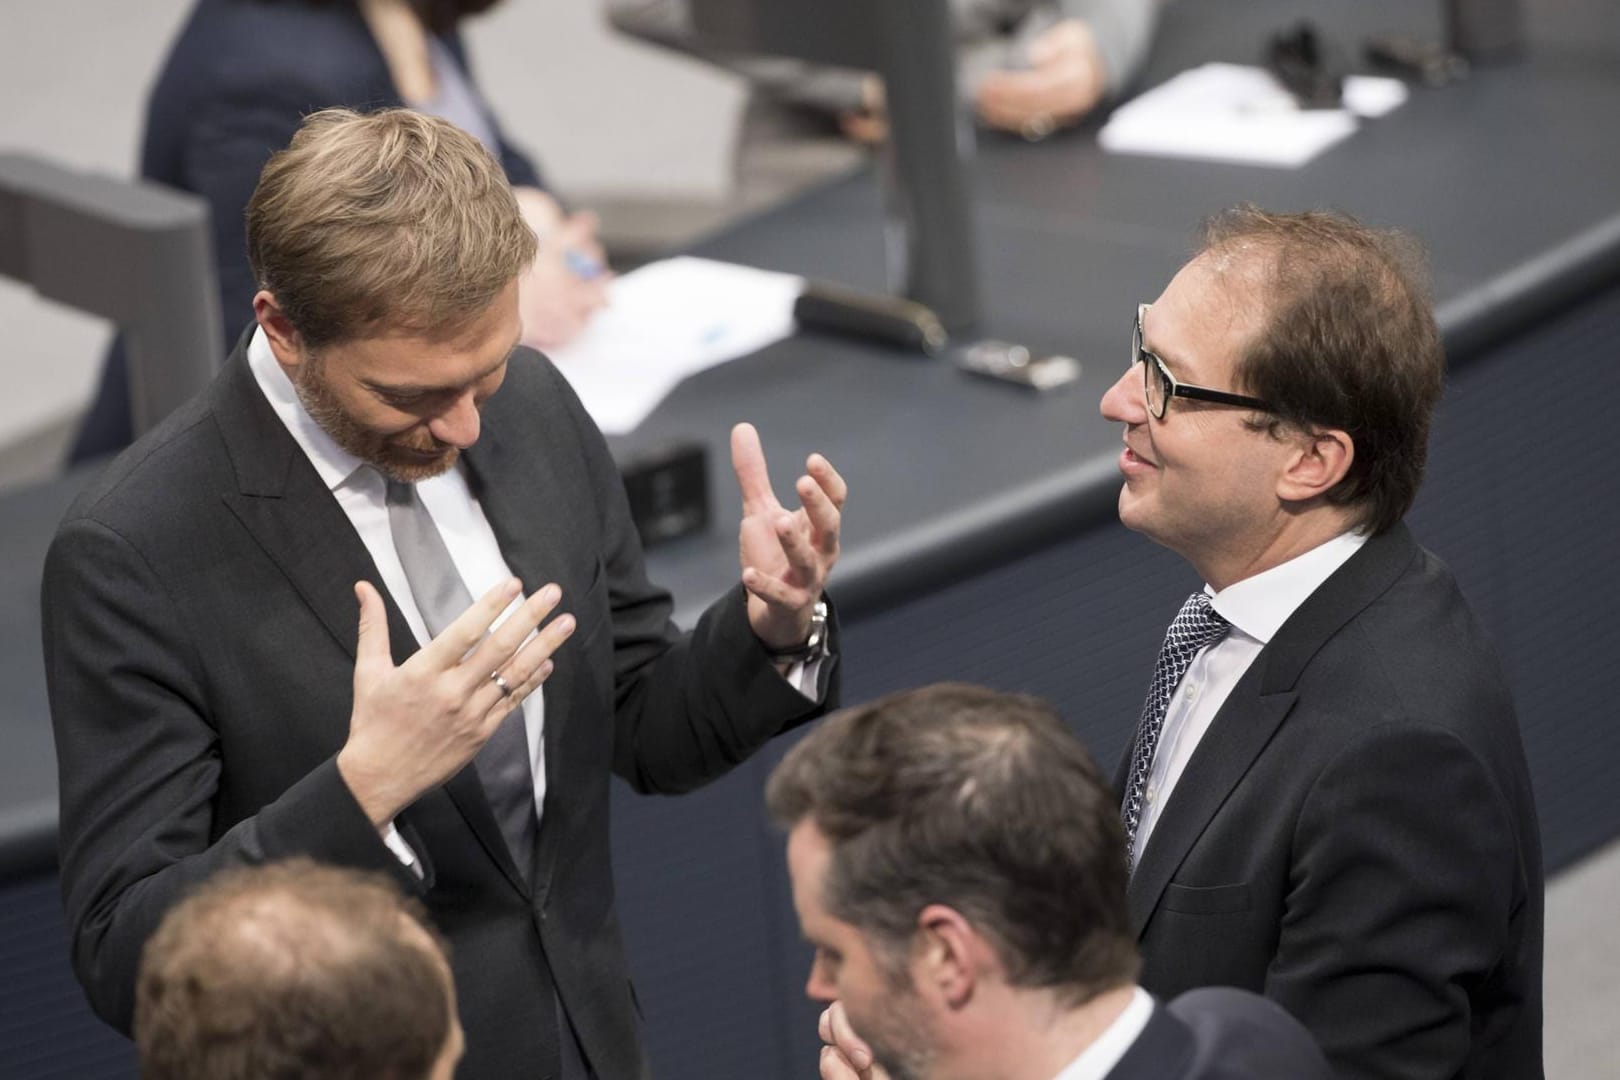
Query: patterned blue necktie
column 1195, row 626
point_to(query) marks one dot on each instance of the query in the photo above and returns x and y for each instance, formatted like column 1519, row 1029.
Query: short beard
column 394, row 460
column 903, row 1039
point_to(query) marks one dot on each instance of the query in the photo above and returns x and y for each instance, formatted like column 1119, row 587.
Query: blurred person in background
column 1023, row 66
column 237, row 83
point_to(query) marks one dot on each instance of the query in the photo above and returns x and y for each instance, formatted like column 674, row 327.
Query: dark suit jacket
column 1221, row 1034
column 236, row 85
column 200, row 629
column 1355, row 836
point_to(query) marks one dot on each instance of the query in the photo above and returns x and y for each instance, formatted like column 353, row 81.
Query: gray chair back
column 133, row 252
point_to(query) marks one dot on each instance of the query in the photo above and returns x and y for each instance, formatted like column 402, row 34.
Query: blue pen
column 581, row 265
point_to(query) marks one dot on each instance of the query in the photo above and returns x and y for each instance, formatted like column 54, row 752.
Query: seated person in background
column 1025, row 66
column 238, row 82
column 296, row 969
column 959, row 866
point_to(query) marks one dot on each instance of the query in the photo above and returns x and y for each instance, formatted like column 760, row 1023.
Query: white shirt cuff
column 402, row 851
column 803, row 677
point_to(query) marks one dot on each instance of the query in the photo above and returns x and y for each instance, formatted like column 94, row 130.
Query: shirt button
column 1152, row 793
column 1192, row 692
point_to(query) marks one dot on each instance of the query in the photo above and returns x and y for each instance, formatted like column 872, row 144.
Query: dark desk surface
column 1512, row 178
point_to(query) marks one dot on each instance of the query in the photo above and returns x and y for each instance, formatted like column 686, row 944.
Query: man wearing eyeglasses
column 1326, row 799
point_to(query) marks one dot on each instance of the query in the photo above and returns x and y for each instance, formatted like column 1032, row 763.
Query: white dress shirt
column 362, row 493
column 1095, row 1062
column 1256, row 607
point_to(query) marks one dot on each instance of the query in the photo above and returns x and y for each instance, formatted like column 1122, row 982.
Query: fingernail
column 550, row 594
column 545, row 669
column 513, row 586
column 565, row 624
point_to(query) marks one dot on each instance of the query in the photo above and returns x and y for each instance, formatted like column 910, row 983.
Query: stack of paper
column 1229, row 112
column 668, row 320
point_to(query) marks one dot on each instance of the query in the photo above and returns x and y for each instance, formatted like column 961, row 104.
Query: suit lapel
column 1239, row 732
column 528, row 508
column 1255, row 709
column 282, row 501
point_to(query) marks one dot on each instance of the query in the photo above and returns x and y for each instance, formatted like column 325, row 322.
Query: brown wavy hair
column 1349, row 342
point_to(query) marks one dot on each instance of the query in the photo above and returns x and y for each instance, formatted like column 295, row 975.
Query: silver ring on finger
column 501, row 683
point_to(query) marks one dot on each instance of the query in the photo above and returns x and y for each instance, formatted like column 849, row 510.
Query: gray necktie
column 1195, row 626
column 441, row 597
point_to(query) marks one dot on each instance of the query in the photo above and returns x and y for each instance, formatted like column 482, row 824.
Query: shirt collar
column 334, row 463
column 1259, row 605
column 1098, row 1059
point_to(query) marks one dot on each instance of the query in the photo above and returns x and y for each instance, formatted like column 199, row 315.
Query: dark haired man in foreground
column 958, row 864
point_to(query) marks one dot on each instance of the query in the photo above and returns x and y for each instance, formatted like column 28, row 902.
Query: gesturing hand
column 785, row 555
column 845, row 1055
column 414, row 726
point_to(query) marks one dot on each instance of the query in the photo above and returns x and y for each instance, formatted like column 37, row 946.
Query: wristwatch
column 814, row 646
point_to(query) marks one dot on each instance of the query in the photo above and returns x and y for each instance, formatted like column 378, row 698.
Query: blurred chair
column 132, row 252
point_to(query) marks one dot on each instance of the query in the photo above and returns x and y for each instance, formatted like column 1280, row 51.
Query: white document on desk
column 1230, row 112
column 665, row 321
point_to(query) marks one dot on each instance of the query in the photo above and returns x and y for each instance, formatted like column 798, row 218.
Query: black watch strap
column 814, row 646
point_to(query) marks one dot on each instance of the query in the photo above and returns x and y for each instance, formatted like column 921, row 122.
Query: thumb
column 372, row 645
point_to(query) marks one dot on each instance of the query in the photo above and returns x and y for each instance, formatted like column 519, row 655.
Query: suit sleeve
column 139, row 764
column 1405, row 879
column 687, row 707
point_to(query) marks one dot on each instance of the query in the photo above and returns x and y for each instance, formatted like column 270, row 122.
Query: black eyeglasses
column 1159, row 386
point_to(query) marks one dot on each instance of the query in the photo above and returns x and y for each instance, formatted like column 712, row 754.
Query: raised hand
column 785, row 555
column 414, row 726
column 845, row 1056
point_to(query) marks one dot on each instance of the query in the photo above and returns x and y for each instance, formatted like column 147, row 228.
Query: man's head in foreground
column 958, row 864
column 387, row 249
column 1279, row 391
column 296, row 970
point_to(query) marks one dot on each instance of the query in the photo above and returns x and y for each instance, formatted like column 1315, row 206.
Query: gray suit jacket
column 200, row 630
column 1355, row 836
column 1221, row 1034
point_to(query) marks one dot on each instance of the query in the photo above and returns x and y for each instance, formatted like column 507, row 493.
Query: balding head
column 295, row 970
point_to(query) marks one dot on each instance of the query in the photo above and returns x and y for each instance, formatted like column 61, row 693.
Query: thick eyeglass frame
column 1172, row 388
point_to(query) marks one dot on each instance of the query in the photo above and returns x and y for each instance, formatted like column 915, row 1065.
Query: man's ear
column 278, row 331
column 951, row 957
column 1320, row 460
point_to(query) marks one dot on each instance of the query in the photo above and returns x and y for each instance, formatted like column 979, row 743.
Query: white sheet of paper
column 1232, row 112
column 665, row 321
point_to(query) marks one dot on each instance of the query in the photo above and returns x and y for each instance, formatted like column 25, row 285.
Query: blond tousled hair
column 391, row 217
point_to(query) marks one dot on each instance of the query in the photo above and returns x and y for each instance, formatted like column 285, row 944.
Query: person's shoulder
column 149, row 488
column 1238, row 1035
column 533, row 383
column 1403, row 636
column 317, row 54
